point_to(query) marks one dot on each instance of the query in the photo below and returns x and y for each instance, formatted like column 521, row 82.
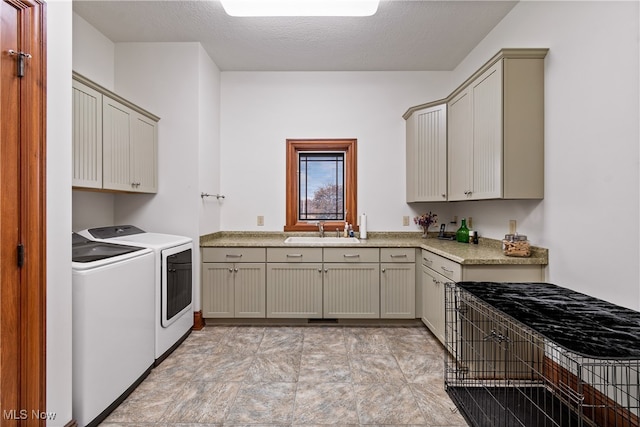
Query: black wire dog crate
column 535, row 354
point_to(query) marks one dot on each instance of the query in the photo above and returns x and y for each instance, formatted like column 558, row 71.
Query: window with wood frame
column 321, row 184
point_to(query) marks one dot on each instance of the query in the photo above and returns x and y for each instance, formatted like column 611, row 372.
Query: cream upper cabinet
column 475, row 149
column 459, row 146
column 87, row 136
column 129, row 149
column 114, row 141
column 427, row 154
column 494, row 132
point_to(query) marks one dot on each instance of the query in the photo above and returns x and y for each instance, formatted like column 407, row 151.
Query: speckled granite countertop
column 487, row 252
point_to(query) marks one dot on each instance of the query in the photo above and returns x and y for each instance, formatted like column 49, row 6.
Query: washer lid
column 85, row 250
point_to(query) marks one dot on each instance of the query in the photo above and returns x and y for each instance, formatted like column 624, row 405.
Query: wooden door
column 22, row 213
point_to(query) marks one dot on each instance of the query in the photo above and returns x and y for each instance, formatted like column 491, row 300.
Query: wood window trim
column 294, row 146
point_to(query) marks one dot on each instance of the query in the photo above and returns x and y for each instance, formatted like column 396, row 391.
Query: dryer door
column 177, row 282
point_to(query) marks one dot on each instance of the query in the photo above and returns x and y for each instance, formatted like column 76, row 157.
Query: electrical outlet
column 260, row 220
column 405, row 221
column 470, row 223
column 512, row 226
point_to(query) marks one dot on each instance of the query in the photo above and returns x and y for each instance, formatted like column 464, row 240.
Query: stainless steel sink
column 315, row 240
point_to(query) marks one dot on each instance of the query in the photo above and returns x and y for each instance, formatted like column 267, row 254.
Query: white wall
column 93, row 57
column 209, row 148
column 59, row 211
column 93, row 53
column 154, row 76
column 260, row 110
column 591, row 137
column 589, row 216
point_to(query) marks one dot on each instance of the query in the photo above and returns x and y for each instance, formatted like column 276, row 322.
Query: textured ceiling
column 404, row 35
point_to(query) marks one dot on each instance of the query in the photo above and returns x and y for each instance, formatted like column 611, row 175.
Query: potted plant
column 425, row 221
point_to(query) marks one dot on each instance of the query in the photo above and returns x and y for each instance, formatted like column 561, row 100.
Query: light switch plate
column 260, row 220
column 405, row 221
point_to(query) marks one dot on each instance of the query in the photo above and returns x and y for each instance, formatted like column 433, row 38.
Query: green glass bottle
column 462, row 235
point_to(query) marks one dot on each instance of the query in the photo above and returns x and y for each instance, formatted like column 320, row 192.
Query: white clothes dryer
column 173, row 280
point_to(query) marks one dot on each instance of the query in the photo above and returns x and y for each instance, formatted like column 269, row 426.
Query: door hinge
column 20, row 254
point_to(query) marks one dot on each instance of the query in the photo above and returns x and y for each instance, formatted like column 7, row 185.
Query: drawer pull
column 294, row 255
column 234, row 255
column 430, row 261
column 399, row 256
column 446, row 271
column 351, row 255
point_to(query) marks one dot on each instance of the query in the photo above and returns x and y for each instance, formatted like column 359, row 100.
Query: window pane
column 321, row 186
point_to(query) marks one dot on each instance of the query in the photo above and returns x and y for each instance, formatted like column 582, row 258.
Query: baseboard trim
column 198, row 321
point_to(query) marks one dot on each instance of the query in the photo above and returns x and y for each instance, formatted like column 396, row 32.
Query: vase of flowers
column 425, row 221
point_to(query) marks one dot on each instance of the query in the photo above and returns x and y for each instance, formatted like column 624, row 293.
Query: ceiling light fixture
column 300, row 7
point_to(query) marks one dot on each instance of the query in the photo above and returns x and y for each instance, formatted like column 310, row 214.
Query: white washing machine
column 173, row 280
column 113, row 323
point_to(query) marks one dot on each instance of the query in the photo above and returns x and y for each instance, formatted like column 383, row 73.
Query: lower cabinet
column 437, row 271
column 397, row 283
column 294, row 291
column 351, row 283
column 433, row 285
column 352, row 291
column 233, row 289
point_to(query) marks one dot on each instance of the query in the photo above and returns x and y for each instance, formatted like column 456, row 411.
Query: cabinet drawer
column 231, row 254
column 450, row 269
column 351, row 255
column 397, row 255
column 294, row 254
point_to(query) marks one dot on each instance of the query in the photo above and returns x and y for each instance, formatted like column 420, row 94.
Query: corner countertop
column 487, row 252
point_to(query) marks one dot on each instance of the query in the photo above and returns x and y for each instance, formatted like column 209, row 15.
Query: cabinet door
column 87, row 136
column 249, row 290
column 433, row 286
column 294, row 290
column 351, row 290
column 217, row 290
column 487, row 134
column 116, row 145
column 144, row 154
column 427, row 155
column 398, row 291
column 460, row 146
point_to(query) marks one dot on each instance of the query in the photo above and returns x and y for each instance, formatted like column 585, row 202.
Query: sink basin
column 308, row 240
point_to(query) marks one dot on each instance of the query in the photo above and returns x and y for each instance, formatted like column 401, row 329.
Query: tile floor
column 295, row 376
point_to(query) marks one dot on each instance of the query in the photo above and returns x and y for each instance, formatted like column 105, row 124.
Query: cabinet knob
column 230, row 270
column 235, row 270
column 384, row 270
column 444, row 196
